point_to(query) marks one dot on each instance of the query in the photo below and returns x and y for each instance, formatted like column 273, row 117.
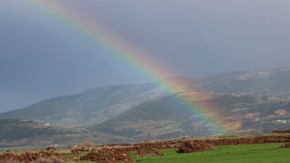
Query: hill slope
column 28, row 133
column 169, row 118
column 89, row 107
column 270, row 82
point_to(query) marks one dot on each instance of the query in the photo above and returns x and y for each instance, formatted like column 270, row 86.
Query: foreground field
column 264, row 153
column 251, row 148
column 253, row 153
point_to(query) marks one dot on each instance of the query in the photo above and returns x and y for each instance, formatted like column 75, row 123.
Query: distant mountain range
column 247, row 103
column 100, row 104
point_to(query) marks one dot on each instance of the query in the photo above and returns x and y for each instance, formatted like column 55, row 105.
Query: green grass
column 264, row 153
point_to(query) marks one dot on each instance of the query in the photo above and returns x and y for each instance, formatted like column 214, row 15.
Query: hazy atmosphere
column 41, row 56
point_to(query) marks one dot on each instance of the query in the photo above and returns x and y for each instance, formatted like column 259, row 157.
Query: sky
column 41, row 56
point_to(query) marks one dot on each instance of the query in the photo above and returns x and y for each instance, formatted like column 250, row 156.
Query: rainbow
column 138, row 60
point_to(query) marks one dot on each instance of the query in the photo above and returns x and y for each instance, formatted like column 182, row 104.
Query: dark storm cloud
column 41, row 57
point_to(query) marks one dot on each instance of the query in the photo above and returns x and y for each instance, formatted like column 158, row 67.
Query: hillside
column 89, row 107
column 161, row 118
column 169, row 118
column 269, row 82
column 28, row 133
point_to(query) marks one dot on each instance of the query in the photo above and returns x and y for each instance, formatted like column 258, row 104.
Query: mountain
column 169, row 117
column 103, row 103
column 161, row 118
column 89, row 107
column 19, row 133
column 240, row 102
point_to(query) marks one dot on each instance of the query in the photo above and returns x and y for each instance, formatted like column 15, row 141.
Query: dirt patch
column 285, row 146
column 281, row 131
column 79, row 150
column 107, row 155
column 281, row 112
column 148, row 150
column 251, row 115
column 191, row 146
column 30, row 157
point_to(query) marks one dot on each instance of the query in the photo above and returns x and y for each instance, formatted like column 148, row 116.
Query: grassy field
column 255, row 153
column 264, row 153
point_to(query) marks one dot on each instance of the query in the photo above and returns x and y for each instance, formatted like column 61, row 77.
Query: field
column 217, row 149
column 266, row 153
